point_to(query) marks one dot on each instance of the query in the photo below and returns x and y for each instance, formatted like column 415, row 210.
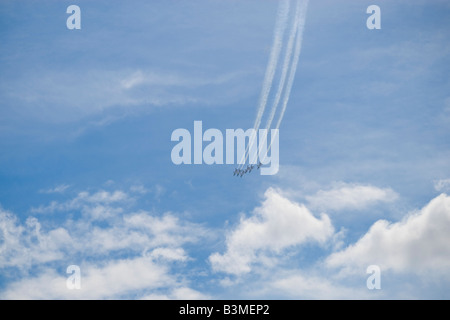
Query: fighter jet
column 241, row 172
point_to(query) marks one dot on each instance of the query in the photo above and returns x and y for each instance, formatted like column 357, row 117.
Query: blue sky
column 86, row 176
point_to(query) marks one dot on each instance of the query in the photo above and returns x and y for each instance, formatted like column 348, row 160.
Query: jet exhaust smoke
column 291, row 58
column 280, row 27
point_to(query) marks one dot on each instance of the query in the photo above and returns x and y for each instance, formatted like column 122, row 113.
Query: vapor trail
column 283, row 12
column 301, row 19
column 280, row 27
column 287, row 61
column 298, row 48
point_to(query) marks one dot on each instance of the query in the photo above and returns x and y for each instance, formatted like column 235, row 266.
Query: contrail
column 280, row 27
column 298, row 49
column 283, row 12
column 287, row 60
column 300, row 22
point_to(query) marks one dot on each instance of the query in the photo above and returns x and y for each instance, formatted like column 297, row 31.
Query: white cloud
column 140, row 78
column 418, row 243
column 121, row 277
column 159, row 191
column 185, row 293
column 114, row 279
column 134, row 79
column 24, row 245
column 104, row 196
column 442, row 185
column 58, row 189
column 297, row 285
column 83, row 200
column 137, row 232
column 139, row 189
column 138, row 277
column 181, row 293
column 350, row 196
column 143, row 255
column 177, row 254
column 276, row 225
column 416, row 247
column 73, row 95
column 151, row 243
column 68, row 97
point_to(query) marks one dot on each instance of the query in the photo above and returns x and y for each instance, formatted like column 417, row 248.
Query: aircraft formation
column 241, row 172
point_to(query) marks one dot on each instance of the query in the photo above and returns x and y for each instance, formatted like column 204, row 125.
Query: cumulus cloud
column 277, row 225
column 350, row 196
column 145, row 255
column 136, row 233
column 151, row 243
column 115, row 278
column 417, row 244
column 415, row 247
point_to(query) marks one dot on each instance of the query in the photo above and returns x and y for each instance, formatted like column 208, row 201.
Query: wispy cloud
column 350, row 196
column 442, row 185
column 25, row 244
column 63, row 98
column 58, row 189
column 83, row 201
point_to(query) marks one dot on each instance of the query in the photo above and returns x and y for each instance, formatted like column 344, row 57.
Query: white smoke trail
column 301, row 19
column 298, row 49
column 280, row 27
column 287, row 61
